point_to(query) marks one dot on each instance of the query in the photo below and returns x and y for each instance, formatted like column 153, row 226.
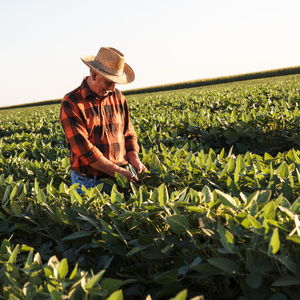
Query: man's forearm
column 106, row 166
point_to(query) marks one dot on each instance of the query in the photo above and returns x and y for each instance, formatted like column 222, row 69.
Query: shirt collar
column 85, row 89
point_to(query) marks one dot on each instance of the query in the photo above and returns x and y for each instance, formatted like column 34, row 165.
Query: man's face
column 101, row 85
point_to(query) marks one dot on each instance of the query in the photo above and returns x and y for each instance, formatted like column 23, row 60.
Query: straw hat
column 110, row 63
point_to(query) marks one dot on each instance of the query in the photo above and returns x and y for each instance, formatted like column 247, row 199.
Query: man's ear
column 94, row 76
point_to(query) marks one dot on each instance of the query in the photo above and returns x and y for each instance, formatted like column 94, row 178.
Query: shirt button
column 106, row 129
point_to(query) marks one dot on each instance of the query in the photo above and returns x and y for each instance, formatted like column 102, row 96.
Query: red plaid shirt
column 95, row 127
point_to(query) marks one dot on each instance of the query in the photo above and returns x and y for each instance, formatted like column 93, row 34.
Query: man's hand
column 135, row 162
column 129, row 176
column 108, row 167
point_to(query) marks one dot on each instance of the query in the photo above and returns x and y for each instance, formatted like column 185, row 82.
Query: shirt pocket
column 115, row 124
column 93, row 124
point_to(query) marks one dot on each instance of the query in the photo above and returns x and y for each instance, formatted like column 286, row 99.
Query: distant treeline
column 186, row 84
column 217, row 80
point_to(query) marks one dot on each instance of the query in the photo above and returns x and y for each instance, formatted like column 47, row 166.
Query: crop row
column 216, row 214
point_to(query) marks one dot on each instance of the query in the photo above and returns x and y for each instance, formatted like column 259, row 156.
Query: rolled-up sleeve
column 131, row 143
column 76, row 133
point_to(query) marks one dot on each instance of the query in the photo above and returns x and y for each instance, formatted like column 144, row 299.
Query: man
column 95, row 119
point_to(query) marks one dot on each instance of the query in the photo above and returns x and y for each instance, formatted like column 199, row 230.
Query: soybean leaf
column 14, row 254
column 286, row 281
column 163, row 196
column 63, row 269
column 15, row 207
column 225, row 264
column 227, row 238
column 111, row 285
column 76, row 235
column 167, row 278
column 274, row 244
column 94, row 280
column 117, row 295
column 121, row 180
column 208, row 195
column 295, row 208
column 55, row 295
column 180, row 296
column 254, row 280
column 178, row 223
column 226, row 199
column 29, row 290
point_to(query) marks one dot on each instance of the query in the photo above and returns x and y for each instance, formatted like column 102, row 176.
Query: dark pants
column 87, row 182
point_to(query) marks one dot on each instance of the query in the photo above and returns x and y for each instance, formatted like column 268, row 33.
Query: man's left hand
column 135, row 162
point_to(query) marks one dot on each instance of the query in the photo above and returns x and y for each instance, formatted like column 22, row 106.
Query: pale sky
column 164, row 41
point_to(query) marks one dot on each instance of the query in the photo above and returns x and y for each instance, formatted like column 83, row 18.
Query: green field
column 216, row 214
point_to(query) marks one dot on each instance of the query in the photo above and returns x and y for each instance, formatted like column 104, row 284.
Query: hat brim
column 127, row 76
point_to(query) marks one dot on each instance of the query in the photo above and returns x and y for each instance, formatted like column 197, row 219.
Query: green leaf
column 117, row 295
column 121, row 180
column 41, row 196
column 254, row 280
column 15, row 208
column 55, row 295
column 208, row 195
column 226, row 199
column 63, row 269
column 206, row 268
column 278, row 296
column 254, row 222
column 74, row 272
column 251, row 199
column 106, row 226
column 94, row 280
column 288, row 262
column 167, row 278
column 14, row 254
column 295, row 238
column 240, row 164
column 13, row 193
column 116, row 196
column 230, row 165
column 268, row 211
column 274, row 244
column 295, row 208
column 225, row 264
column 227, row 238
column 35, row 279
column 88, row 219
column 6, row 194
column 111, row 285
column 163, row 196
column 76, row 235
column 145, row 239
column 263, row 197
column 29, row 290
column 283, row 171
column 12, row 279
column 286, row 281
column 29, row 260
column 137, row 249
column 236, row 175
column 178, row 223
column 77, row 196
column 180, row 296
